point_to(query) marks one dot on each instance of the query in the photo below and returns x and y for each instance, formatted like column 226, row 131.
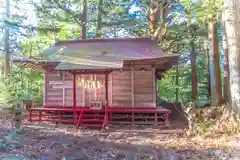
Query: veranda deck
column 84, row 116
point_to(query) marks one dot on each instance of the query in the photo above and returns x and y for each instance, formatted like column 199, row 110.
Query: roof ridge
column 105, row 40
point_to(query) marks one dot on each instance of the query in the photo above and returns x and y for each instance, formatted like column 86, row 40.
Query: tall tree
column 84, row 19
column 99, row 19
column 231, row 13
column 206, row 13
column 191, row 30
column 177, row 90
column 226, row 62
column 6, row 40
column 194, row 70
column 157, row 10
column 215, row 73
column 154, row 16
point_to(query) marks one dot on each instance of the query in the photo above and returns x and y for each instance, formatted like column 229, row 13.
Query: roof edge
column 104, row 40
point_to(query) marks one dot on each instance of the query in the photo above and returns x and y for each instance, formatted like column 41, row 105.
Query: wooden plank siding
column 143, row 88
column 121, row 89
column 135, row 87
column 59, row 90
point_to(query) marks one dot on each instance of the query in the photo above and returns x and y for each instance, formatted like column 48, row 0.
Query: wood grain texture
column 125, row 88
column 132, row 85
column 143, row 88
column 121, row 88
column 61, row 89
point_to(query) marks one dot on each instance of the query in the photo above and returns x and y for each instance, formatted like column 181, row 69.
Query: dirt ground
column 56, row 142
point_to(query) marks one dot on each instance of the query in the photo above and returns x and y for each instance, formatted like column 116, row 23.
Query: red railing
column 89, row 117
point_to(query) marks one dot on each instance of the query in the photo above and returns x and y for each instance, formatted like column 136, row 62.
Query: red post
column 40, row 116
column 156, row 117
column 74, row 98
column 106, row 93
column 45, row 89
column 30, row 116
column 106, row 88
column 79, row 119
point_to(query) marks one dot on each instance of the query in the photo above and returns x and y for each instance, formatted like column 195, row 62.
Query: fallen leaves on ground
column 117, row 143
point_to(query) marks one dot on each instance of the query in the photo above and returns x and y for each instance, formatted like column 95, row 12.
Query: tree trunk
column 193, row 56
column 84, row 20
column 209, row 76
column 194, row 71
column 177, row 84
column 99, row 19
column 207, row 58
column 156, row 30
column 177, row 91
column 164, row 14
column 6, row 39
column 215, row 73
column 154, row 16
column 216, row 62
column 231, row 12
column 226, row 63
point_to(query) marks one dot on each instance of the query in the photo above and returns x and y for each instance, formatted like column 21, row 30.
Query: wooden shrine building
column 101, row 81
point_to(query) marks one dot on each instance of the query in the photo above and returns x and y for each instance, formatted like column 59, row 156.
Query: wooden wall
column 133, row 88
column 128, row 88
column 59, row 90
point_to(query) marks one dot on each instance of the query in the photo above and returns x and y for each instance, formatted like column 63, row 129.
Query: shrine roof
column 102, row 53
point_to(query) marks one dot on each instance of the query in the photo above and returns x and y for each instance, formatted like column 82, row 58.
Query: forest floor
column 53, row 142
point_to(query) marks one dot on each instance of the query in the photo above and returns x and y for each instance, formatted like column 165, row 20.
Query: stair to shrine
column 95, row 118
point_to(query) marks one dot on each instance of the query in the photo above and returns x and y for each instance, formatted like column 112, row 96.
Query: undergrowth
column 213, row 122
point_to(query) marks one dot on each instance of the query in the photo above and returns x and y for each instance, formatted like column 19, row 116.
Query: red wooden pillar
column 45, row 91
column 30, row 116
column 106, row 94
column 74, row 98
column 106, row 88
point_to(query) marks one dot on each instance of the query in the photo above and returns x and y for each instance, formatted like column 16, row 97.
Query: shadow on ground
column 55, row 142
column 116, row 143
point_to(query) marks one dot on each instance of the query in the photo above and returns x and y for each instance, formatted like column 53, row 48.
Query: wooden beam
column 132, row 84
column 106, row 88
column 111, row 89
column 74, row 98
column 45, row 88
column 63, row 91
column 92, row 71
column 91, row 96
column 95, row 89
column 151, row 60
column 154, row 87
column 105, row 122
column 83, row 92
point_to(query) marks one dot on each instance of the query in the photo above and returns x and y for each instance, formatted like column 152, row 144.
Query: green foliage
column 62, row 20
column 21, row 85
column 167, row 86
